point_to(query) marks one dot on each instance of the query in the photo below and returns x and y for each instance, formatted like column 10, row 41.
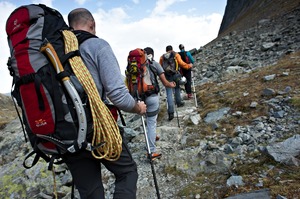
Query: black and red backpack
column 55, row 112
column 141, row 79
column 184, row 57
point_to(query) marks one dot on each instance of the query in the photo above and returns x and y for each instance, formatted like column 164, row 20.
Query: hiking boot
column 171, row 116
column 180, row 104
column 188, row 96
column 157, row 138
column 155, row 156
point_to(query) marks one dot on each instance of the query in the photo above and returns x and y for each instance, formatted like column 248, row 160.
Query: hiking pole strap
column 19, row 116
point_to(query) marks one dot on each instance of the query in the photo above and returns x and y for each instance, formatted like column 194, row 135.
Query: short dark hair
column 168, row 48
column 181, row 46
column 79, row 16
column 149, row 51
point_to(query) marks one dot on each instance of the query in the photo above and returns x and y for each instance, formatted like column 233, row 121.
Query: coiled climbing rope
column 105, row 127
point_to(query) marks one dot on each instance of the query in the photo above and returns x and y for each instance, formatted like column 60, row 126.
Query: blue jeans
column 170, row 101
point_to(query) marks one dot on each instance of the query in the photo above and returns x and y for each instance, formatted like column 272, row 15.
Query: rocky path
column 171, row 134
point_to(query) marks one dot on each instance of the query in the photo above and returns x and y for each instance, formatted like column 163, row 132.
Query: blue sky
column 130, row 24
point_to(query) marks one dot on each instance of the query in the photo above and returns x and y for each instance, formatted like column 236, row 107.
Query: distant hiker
column 104, row 68
column 171, row 63
column 152, row 102
column 187, row 58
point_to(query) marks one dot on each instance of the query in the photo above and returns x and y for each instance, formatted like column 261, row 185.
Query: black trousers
column 188, row 75
column 86, row 173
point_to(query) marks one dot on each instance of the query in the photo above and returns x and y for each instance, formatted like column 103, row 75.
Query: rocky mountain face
column 207, row 151
column 233, row 11
column 242, row 14
column 260, row 45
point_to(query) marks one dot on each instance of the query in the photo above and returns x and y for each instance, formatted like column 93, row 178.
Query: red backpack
column 55, row 107
column 140, row 78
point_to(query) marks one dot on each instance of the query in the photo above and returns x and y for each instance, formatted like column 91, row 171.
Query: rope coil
column 105, row 127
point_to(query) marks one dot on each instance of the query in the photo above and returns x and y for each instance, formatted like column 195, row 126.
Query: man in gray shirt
column 152, row 102
column 104, row 68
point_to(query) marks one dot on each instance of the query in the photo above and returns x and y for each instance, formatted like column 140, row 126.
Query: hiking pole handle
column 52, row 55
column 49, row 50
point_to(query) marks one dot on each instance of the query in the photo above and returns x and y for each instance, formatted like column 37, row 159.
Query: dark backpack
column 184, row 57
column 140, row 78
column 55, row 107
column 169, row 63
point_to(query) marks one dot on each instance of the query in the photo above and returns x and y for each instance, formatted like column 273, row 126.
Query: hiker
column 104, row 68
column 188, row 58
column 152, row 103
column 172, row 74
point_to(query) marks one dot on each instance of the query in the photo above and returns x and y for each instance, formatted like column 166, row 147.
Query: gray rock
column 286, row 151
column 235, row 181
column 216, row 115
column 259, row 194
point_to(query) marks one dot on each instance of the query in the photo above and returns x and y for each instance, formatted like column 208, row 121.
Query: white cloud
column 156, row 31
column 161, row 6
column 113, row 16
column 192, row 10
column 80, row 2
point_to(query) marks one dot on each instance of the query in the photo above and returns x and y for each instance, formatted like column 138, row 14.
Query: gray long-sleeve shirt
column 104, row 68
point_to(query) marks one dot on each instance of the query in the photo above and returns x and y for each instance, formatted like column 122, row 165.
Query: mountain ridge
column 244, row 14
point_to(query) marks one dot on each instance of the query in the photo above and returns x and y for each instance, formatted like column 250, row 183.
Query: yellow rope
column 105, row 126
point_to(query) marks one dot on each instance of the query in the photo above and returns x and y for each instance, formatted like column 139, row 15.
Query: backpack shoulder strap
column 173, row 53
column 83, row 35
column 183, row 55
column 154, row 75
column 151, row 67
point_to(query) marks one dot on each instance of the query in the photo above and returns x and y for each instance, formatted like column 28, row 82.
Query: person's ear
column 92, row 27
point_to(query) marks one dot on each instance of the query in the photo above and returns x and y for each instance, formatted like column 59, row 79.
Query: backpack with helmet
column 171, row 68
column 169, row 63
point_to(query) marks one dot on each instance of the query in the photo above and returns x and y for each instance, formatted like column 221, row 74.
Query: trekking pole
column 194, row 89
column 150, row 155
column 150, row 158
column 175, row 106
